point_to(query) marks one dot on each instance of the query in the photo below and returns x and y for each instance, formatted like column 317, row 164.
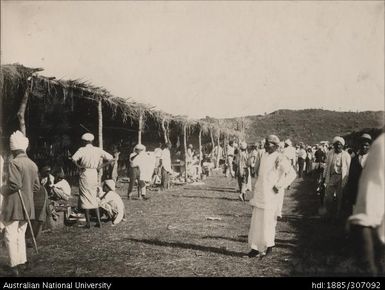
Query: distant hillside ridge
column 311, row 125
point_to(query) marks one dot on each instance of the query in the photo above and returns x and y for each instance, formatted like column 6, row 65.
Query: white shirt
column 64, row 185
column 362, row 159
column 274, row 170
column 166, row 160
column 91, row 156
column 302, row 153
column 289, row 152
column 230, row 150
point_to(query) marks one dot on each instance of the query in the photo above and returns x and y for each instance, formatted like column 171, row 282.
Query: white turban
column 18, row 141
column 88, row 137
column 339, row 139
column 243, row 145
column 110, row 183
column 288, row 142
column 140, row 147
column 273, row 139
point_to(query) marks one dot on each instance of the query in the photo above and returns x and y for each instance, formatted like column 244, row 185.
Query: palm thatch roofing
column 14, row 78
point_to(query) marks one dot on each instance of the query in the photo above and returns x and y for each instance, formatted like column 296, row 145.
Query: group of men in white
column 272, row 163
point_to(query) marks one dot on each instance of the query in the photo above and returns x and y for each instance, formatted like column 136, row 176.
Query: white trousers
column 262, row 229
column 14, row 237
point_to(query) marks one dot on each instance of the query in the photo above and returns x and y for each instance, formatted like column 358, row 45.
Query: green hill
column 310, row 126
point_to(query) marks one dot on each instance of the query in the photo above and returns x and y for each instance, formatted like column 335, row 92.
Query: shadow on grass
column 321, row 247
column 187, row 246
column 279, row 243
column 206, row 197
column 231, row 190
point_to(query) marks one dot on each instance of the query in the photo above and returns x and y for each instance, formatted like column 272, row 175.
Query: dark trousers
column 368, row 249
column 301, row 163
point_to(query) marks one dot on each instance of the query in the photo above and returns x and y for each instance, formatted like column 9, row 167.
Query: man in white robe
column 275, row 173
column 88, row 159
column 165, row 163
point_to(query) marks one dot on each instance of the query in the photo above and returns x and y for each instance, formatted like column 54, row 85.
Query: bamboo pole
column 100, row 123
column 185, row 149
column 100, row 135
column 212, row 138
column 218, row 137
column 164, row 130
column 200, row 147
column 140, row 127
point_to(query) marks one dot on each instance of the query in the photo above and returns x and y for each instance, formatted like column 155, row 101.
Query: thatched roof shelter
column 48, row 92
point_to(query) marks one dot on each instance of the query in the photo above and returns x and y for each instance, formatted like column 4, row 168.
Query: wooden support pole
column 185, row 149
column 22, row 108
column 140, row 127
column 100, row 124
column 200, row 147
column 218, row 137
column 164, row 130
column 100, row 135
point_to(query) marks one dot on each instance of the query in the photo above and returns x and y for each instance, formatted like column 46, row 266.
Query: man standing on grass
column 23, row 177
column 87, row 159
column 230, row 158
column 275, row 173
column 336, row 176
column 165, row 163
column 242, row 170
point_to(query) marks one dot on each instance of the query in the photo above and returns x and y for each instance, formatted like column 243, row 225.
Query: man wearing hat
column 289, row 151
column 87, row 159
column 138, row 160
column 230, row 157
column 274, row 175
column 301, row 159
column 357, row 164
column 23, row 177
column 111, row 202
column 335, row 176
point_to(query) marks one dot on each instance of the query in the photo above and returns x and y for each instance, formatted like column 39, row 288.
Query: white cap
column 140, row 147
column 243, row 145
column 88, row 137
column 288, row 142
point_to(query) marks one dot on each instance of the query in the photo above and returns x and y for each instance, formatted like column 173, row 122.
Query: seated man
column 61, row 190
column 111, row 203
column 47, row 179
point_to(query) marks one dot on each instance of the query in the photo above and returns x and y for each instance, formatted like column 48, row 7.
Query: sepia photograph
column 191, row 139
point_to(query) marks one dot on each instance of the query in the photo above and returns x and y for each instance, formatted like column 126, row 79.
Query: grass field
column 195, row 230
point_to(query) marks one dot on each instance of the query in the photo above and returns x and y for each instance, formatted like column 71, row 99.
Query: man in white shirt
column 230, row 158
column 301, row 159
column 165, row 163
column 88, row 159
column 139, row 163
column 289, row 151
column 335, row 176
column 61, row 189
column 275, row 173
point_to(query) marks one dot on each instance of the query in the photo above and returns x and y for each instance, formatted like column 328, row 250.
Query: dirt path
column 171, row 234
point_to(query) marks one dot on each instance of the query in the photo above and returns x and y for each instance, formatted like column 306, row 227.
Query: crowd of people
column 350, row 186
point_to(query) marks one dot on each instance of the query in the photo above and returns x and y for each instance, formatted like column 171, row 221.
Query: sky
column 208, row 58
